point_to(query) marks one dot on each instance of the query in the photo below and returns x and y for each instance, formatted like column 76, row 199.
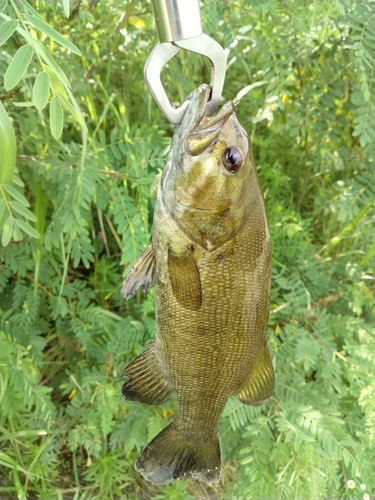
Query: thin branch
column 113, row 231
column 277, row 309
column 125, row 16
column 336, row 353
column 102, row 233
column 116, row 175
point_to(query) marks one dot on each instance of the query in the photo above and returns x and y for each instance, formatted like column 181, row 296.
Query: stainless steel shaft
column 177, row 19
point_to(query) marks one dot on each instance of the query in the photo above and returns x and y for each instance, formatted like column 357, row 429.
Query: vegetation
column 76, row 210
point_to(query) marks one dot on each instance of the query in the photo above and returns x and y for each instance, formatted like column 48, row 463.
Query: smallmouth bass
column 210, row 263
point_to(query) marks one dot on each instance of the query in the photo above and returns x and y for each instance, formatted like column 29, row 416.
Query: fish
column 210, row 264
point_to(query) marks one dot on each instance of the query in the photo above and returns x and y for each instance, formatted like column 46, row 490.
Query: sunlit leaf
column 56, row 117
column 41, row 90
column 7, row 231
column 17, row 233
column 14, row 193
column 8, row 147
column 2, row 208
column 66, row 7
column 7, row 29
column 55, row 81
column 69, row 107
column 51, row 62
column 22, row 210
column 18, row 66
column 27, row 228
column 55, row 35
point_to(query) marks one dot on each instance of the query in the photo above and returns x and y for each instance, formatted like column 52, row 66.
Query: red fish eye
column 232, row 159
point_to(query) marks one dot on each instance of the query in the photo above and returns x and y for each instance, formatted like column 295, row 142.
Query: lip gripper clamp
column 180, row 27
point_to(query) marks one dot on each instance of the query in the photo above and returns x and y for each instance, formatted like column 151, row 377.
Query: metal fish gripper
column 179, row 27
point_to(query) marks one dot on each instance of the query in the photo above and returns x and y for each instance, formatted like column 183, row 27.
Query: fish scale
column 210, row 263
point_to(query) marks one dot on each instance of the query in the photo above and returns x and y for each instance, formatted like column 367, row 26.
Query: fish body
column 210, row 263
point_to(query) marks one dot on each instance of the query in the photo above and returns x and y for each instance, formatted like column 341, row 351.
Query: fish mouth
column 207, row 129
column 207, row 210
column 208, row 124
column 203, row 122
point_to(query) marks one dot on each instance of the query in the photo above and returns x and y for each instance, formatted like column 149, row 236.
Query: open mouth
column 195, row 209
column 208, row 129
column 210, row 124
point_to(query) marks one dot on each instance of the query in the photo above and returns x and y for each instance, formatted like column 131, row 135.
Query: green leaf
column 69, row 107
column 18, row 66
column 21, row 210
column 7, row 461
column 349, row 227
column 55, row 81
column 24, row 104
column 55, row 35
column 29, row 8
column 66, row 7
column 2, row 208
column 8, row 147
column 41, row 90
column 3, row 4
column 27, row 228
column 17, row 195
column 7, row 30
column 56, row 117
column 17, row 181
column 46, row 56
column 370, row 252
column 17, row 233
column 7, row 231
column 19, row 488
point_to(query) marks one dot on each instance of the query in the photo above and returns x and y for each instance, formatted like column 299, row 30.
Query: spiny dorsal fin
column 185, row 279
column 147, row 381
column 143, row 273
column 261, row 382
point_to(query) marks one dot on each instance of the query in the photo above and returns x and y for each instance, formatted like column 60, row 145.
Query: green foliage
column 79, row 212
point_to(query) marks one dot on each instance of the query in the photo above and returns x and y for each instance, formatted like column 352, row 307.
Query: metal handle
column 177, row 19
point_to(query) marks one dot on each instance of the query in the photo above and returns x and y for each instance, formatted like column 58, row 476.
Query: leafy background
column 90, row 141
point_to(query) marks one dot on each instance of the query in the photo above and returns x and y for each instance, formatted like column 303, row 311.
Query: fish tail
column 172, row 455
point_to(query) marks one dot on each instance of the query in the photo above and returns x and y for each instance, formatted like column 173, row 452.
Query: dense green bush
column 304, row 74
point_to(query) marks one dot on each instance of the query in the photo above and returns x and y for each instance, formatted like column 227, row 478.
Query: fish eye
column 232, row 159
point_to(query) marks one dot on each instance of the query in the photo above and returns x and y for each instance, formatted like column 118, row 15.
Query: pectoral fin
column 143, row 273
column 260, row 384
column 185, row 279
column 147, row 382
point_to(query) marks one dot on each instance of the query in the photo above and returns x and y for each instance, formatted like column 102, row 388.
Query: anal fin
column 147, row 383
column 143, row 273
column 261, row 382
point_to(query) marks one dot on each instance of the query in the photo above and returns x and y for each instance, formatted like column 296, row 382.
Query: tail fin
column 171, row 455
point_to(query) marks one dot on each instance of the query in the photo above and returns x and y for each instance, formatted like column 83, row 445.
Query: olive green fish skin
column 213, row 269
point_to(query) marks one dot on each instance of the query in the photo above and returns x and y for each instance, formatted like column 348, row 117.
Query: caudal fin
column 171, row 455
